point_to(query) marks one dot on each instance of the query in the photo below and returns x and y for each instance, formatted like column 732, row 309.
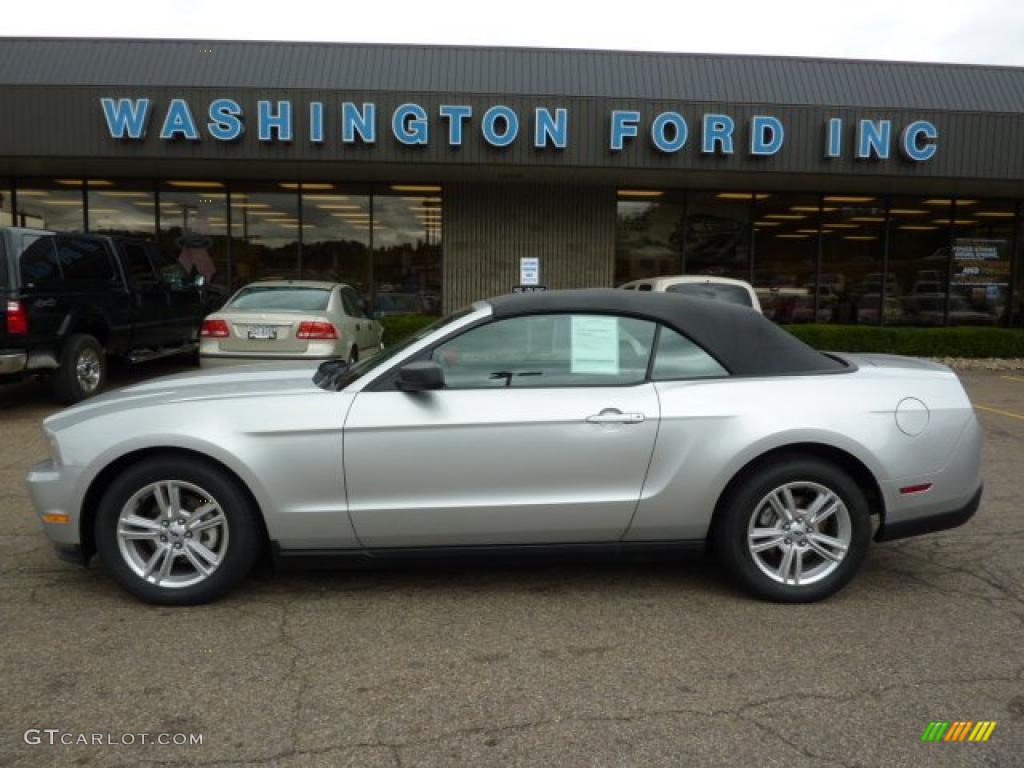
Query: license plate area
column 262, row 332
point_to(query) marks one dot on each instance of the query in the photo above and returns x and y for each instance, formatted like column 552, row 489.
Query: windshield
column 284, row 298
column 337, row 374
column 733, row 294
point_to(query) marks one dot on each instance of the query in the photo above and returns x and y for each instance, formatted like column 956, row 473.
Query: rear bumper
column 12, row 361
column 223, row 360
column 936, row 521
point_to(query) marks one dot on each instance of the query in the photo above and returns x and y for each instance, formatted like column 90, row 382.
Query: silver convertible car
column 596, row 421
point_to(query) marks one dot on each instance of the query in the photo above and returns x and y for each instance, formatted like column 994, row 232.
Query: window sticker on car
column 595, row 345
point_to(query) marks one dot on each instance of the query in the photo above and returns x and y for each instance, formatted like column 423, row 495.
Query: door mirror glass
column 420, row 377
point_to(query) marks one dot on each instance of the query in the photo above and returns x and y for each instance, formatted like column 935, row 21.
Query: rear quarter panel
column 711, row 429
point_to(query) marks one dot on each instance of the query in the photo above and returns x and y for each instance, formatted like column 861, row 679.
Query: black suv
column 71, row 300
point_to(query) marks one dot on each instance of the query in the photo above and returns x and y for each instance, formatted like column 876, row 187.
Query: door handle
column 614, row 416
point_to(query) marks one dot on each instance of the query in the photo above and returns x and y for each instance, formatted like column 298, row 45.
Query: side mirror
column 420, row 377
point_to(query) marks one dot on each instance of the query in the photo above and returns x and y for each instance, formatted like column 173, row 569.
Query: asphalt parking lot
column 597, row 664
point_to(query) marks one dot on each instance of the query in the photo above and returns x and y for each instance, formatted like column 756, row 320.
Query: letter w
column 126, row 118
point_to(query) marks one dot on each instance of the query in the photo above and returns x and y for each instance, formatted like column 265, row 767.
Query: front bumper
column 12, row 361
column 937, row 521
column 52, row 489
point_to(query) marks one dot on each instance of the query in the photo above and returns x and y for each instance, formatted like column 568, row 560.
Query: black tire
column 244, row 542
column 68, row 386
column 743, row 501
column 353, row 356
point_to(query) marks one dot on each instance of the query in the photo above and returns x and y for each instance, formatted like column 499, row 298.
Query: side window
column 84, row 260
column 348, row 305
column 136, row 264
column 679, row 358
column 39, row 267
column 355, row 301
column 548, row 351
column 170, row 269
column 644, row 287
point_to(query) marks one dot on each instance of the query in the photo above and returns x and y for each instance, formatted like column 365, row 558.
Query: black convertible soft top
column 742, row 340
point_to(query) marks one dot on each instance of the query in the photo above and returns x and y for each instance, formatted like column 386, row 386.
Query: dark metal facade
column 488, row 228
column 511, row 71
column 40, row 126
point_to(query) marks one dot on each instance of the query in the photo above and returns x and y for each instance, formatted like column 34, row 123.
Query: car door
column 91, row 283
column 184, row 297
column 542, row 435
column 42, row 289
column 148, row 295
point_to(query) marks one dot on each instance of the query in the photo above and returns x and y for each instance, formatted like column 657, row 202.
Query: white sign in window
column 595, row 345
column 529, row 270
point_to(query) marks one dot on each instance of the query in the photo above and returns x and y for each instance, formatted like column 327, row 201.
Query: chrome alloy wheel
column 172, row 534
column 799, row 533
column 87, row 370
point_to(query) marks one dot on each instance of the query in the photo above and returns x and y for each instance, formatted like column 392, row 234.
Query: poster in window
column 595, row 345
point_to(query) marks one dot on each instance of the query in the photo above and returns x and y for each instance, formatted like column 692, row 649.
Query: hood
column 253, row 381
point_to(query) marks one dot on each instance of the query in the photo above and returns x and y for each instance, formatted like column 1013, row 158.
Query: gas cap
column 912, row 416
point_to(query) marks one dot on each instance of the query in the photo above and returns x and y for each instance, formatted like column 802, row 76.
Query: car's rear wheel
column 177, row 531
column 353, row 356
column 794, row 531
column 82, row 371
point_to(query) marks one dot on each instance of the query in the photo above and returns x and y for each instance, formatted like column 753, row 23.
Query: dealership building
column 427, row 177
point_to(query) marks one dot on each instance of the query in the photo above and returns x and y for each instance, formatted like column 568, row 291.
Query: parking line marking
column 1011, row 414
column 1013, row 378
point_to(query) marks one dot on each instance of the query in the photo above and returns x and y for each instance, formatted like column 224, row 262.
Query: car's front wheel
column 794, row 531
column 177, row 531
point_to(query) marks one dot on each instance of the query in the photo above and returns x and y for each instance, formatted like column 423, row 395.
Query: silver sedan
column 538, row 425
column 289, row 320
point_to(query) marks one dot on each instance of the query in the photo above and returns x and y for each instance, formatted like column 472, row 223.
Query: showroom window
column 548, row 351
column 664, row 232
column 852, row 254
column 1017, row 302
column 649, row 234
column 336, row 234
column 265, row 227
column 51, row 204
column 918, row 259
column 121, row 207
column 786, row 230
column 717, row 238
column 983, row 243
column 193, row 218
column 406, row 236
column 6, row 202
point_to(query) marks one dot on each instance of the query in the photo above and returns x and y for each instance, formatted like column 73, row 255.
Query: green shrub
column 397, row 327
column 917, row 342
